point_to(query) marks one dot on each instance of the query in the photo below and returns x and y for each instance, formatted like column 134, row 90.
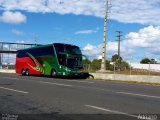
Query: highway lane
column 42, row 95
column 120, row 87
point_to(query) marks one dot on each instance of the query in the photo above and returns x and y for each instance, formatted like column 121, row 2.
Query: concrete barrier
column 7, row 71
column 134, row 78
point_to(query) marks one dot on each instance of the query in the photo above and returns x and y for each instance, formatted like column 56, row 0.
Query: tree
column 148, row 61
column 116, row 58
column 96, row 64
column 86, row 62
column 119, row 63
column 124, row 65
column 153, row 61
column 145, row 61
column 109, row 66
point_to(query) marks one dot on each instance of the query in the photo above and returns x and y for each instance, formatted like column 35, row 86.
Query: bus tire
column 27, row 72
column 23, row 72
column 53, row 73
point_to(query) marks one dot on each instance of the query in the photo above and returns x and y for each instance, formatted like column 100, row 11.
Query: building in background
column 150, row 67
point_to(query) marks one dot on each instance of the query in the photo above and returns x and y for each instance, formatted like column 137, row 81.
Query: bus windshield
column 72, row 50
column 69, row 56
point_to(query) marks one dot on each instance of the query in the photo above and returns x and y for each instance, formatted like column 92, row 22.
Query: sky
column 80, row 22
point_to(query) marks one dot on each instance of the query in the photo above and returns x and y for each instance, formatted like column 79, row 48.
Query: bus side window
column 21, row 54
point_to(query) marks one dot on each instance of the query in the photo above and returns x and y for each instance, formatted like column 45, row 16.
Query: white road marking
column 66, row 85
column 120, row 92
column 13, row 90
column 142, row 95
column 111, row 111
column 79, row 81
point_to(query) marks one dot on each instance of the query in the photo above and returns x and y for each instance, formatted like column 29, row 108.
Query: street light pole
column 103, row 63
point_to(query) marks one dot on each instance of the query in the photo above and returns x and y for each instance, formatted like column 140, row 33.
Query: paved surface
column 42, row 98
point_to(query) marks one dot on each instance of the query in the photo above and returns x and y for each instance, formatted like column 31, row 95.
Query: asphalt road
column 42, row 98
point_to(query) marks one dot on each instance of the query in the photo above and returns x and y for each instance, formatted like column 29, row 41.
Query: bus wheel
column 53, row 73
column 23, row 72
column 27, row 72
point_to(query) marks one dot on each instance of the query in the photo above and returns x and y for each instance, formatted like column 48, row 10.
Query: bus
column 55, row 60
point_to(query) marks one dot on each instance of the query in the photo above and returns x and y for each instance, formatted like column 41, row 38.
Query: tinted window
column 61, row 57
column 36, row 52
column 59, row 48
column 72, row 49
column 67, row 49
column 21, row 53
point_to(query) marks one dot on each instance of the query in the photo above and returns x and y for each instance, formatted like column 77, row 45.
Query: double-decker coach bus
column 53, row 59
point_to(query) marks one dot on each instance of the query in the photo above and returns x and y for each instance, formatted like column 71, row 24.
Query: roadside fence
column 114, row 69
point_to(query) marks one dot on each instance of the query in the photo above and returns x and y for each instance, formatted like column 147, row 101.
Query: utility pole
column 119, row 43
column 103, row 63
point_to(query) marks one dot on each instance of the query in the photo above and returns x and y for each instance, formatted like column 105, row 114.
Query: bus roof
column 39, row 46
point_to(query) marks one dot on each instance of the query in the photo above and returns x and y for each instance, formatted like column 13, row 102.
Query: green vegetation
column 116, row 58
column 148, row 61
column 117, row 64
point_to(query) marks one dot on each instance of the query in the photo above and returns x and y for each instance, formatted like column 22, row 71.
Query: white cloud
column 126, row 11
column 92, row 51
column 137, row 11
column 13, row 17
column 147, row 38
column 144, row 43
column 95, row 51
column 17, row 32
column 87, row 31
